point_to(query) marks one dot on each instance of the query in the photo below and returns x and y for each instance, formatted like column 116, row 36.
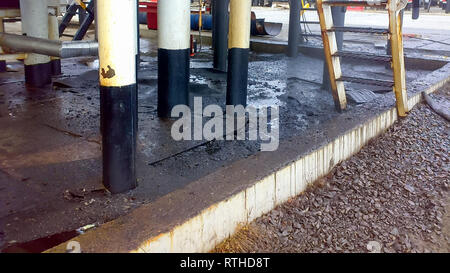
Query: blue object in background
column 207, row 21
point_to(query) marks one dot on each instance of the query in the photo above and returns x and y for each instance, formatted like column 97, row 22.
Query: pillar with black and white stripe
column 34, row 14
column 173, row 54
column 238, row 52
column 117, row 30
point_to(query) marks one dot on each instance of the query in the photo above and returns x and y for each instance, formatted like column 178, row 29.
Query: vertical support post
column 447, row 7
column 238, row 52
column 398, row 61
column 34, row 15
column 338, row 14
column 173, row 55
column 294, row 28
column 333, row 62
column 53, row 34
column 118, row 88
column 220, row 34
column 2, row 63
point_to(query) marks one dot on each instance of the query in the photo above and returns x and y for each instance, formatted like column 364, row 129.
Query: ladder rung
column 311, row 35
column 354, row 3
column 361, row 30
column 364, row 55
column 309, row 22
column 366, row 81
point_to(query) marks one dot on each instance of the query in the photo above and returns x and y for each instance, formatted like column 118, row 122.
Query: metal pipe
column 48, row 47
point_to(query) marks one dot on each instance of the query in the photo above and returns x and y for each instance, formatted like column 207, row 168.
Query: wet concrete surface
column 50, row 152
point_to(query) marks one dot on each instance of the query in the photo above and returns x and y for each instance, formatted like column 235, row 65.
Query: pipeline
column 258, row 26
column 48, row 47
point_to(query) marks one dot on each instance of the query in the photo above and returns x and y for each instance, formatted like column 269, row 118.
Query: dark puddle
column 41, row 244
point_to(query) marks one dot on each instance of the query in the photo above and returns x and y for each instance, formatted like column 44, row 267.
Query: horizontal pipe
column 48, row 47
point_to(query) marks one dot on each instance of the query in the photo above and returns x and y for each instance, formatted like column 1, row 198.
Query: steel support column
column 220, row 34
column 118, row 91
column 294, row 27
column 34, row 15
column 174, row 22
column 238, row 52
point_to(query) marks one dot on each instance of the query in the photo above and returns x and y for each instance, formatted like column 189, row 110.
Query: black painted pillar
column 118, row 92
column 294, row 28
column 173, row 55
column 339, row 21
column 220, row 34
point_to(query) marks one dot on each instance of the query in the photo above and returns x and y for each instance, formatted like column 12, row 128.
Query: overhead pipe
column 61, row 49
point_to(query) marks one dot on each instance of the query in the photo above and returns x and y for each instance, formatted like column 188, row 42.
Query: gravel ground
column 393, row 196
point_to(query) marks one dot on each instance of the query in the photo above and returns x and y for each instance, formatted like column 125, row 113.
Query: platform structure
column 333, row 55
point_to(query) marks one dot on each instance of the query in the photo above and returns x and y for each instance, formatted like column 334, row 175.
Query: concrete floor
column 50, row 160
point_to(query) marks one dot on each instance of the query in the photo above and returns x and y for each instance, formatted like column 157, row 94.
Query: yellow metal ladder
column 332, row 55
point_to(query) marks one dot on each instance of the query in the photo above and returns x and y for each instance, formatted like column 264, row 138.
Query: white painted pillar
column 34, row 14
column 174, row 28
column 117, row 27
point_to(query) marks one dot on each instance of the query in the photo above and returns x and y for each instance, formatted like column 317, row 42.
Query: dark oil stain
column 108, row 74
column 41, row 244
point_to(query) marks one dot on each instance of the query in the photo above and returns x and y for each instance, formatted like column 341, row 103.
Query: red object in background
column 151, row 8
column 355, row 8
column 10, row 4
